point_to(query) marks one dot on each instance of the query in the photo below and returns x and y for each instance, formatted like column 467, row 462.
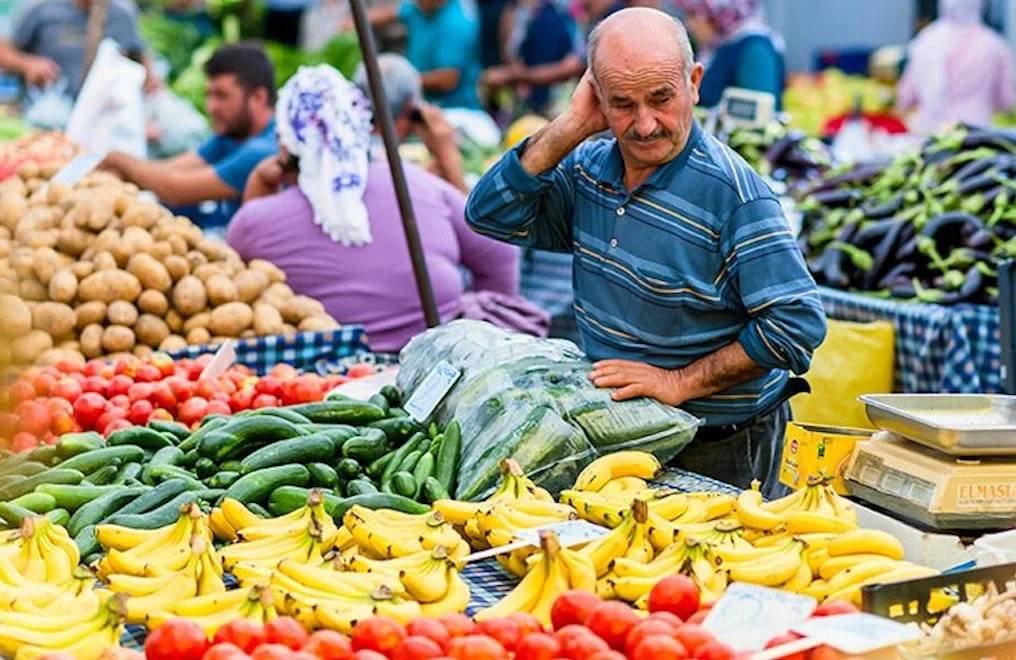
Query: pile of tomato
column 104, row 396
column 584, row 628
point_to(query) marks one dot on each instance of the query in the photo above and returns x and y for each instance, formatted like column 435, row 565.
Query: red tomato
column 264, row 401
column 206, row 387
column 148, row 373
column 659, row 647
column 698, row 617
column 289, row 394
column 21, row 390
column 692, row 636
column 226, row 386
column 283, row 371
column 163, row 397
column 42, row 383
column 127, row 365
column 367, row 654
column 140, row 412
column 24, row 441
column 139, row 391
column 573, row 606
column 272, row 652
column 416, row 648
column 308, row 388
column 181, row 388
column 61, row 422
column 583, row 646
column 195, row 368
column 88, row 407
column 224, row 651
column 243, row 633
column 644, row 629
column 115, row 425
column 329, row 645
column 92, row 367
column 831, row 607
column 429, row 628
column 218, row 406
column 161, row 413
column 162, row 362
column 286, row 631
column 119, row 401
column 96, row 384
column 112, row 415
column 177, row 639
column 241, row 399
column 505, row 631
column 67, row 388
column 192, row 410
column 378, row 633
column 612, row 622
column 676, row 594
column 69, row 366
column 457, row 625
column 34, row 417
column 269, row 385
column 570, row 637
column 360, row 370
column 476, row 647
column 787, row 638
column 538, row 646
column 714, row 650
column 529, row 623
column 8, row 424
column 668, row 617
column 118, row 385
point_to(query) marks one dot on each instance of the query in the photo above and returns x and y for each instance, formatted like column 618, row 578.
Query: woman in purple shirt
column 337, row 233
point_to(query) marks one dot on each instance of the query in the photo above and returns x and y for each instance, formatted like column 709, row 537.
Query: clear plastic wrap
column 530, row 399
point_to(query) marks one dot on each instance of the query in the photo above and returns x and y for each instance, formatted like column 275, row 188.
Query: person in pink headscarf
column 959, row 70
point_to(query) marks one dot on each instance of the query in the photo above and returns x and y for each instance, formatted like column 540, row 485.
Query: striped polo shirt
column 698, row 256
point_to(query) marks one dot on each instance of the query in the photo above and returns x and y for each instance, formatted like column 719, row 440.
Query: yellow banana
column 833, row 565
column 177, row 589
column 842, row 506
column 90, row 646
column 668, row 505
column 871, row 541
column 800, row 580
column 818, row 589
column 804, row 522
column 341, row 618
column 751, row 513
column 787, row 503
column 697, row 512
column 631, row 588
column 597, row 474
column 853, row 576
column 624, row 485
column 717, row 504
column 520, row 599
column 117, row 537
column 581, row 573
column 557, row 577
column 769, row 571
column 454, row 601
column 428, row 582
column 208, row 604
column 602, row 550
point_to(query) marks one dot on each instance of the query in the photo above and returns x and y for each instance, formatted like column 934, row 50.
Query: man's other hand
column 635, row 379
column 39, row 71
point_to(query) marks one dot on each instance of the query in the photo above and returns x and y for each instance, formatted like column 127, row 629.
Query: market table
column 938, row 349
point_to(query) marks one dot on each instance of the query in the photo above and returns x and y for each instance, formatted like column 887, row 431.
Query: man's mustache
column 634, row 136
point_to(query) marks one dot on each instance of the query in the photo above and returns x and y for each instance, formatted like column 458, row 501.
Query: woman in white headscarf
column 958, row 70
column 325, row 212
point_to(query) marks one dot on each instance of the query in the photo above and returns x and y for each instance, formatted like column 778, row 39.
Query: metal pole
column 96, row 27
column 387, row 126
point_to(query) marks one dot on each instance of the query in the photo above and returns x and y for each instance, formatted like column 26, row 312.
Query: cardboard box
column 813, row 449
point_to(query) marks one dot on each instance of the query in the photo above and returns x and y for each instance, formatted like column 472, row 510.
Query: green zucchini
column 13, row 515
column 396, row 460
column 205, row 467
column 392, row 394
column 46, row 454
column 365, row 450
column 161, row 516
column 286, row 499
column 303, row 449
column 36, row 502
column 360, row 487
column 166, row 456
column 50, row 476
column 87, row 543
column 139, row 436
column 161, row 473
column 72, row 444
column 348, row 469
column 341, row 411
column 128, row 473
column 12, row 461
column 95, row 459
column 222, row 479
column 74, row 496
column 103, row 506
column 377, row 468
column 424, row 468
column 323, row 475
column 258, row 485
column 156, row 496
column 381, row 402
column 410, row 461
column 104, row 475
column 287, row 414
column 208, row 424
column 27, row 469
column 378, row 501
column 433, row 491
column 258, row 510
column 188, row 459
column 241, row 435
column 59, row 517
column 396, row 429
column 175, row 429
column 404, row 484
column 447, row 464
column 397, row 412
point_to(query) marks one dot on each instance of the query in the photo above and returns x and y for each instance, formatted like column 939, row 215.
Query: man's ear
column 261, row 95
column 696, row 81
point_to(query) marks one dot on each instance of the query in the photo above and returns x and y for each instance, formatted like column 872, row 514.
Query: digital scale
column 741, row 108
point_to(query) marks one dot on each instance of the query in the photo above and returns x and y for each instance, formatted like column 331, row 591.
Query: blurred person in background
column 283, row 18
column 325, row 212
column 958, row 70
column 736, row 46
column 240, row 105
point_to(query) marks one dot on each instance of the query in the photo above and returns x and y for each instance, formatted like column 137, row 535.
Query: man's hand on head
column 584, row 112
column 635, row 379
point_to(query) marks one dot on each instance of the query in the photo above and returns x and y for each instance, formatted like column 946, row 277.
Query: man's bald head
column 640, row 34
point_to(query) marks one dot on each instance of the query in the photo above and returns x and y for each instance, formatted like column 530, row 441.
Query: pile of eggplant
column 930, row 226
column 782, row 153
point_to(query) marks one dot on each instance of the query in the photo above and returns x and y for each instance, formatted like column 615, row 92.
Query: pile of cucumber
column 359, row 452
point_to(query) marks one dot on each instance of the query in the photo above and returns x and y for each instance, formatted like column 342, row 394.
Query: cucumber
column 129, row 473
column 211, row 495
column 104, row 475
column 360, row 487
column 72, row 497
column 51, row 476
column 59, row 517
column 95, row 511
column 222, row 479
column 322, row 474
column 397, row 412
column 396, row 429
column 27, row 469
column 46, row 454
column 287, row 414
column 404, row 484
column 13, row 515
column 208, row 424
column 72, row 444
column 424, row 468
column 377, row 501
column 432, row 430
column 446, row 466
column 410, row 461
column 286, row 499
column 188, row 459
column 139, row 436
column 435, row 446
column 341, row 411
column 156, row 496
column 161, row 473
column 205, row 467
column 258, row 485
column 340, row 488
column 12, row 461
column 167, row 514
column 365, row 450
column 392, row 394
column 377, row 468
column 9, row 479
column 396, row 460
column 166, row 456
column 36, row 502
column 304, row 449
column 348, row 469
column 241, row 435
column 95, row 459
column 381, row 402
column 433, row 491
column 258, row 510
column 176, row 429
column 344, row 430
column 86, row 542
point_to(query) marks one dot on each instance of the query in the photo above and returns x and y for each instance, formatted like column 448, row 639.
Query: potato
column 104, row 261
column 153, row 302
column 178, row 244
column 27, row 348
column 135, row 241
column 317, row 324
column 59, row 354
column 161, row 250
column 269, row 269
column 277, row 294
column 28, row 170
column 73, row 241
column 121, row 312
column 63, row 286
column 56, row 193
column 177, row 267
column 8, row 285
column 214, row 250
column 151, row 273
column 151, row 330
column 231, row 319
column 299, row 308
column 288, row 330
column 43, row 238
column 205, row 271
column 91, row 341
column 221, row 290
column 267, row 320
column 173, row 343
column 5, row 355
column 106, row 241
column 189, row 296
column 248, row 334
column 143, row 350
column 13, row 207
column 198, row 336
column 117, row 338
column 53, row 318
column 15, row 317
column 89, row 313
column 82, row 269
column 32, row 289
column 199, row 320
column 45, row 263
column 250, row 284
column 109, row 285
column 6, row 246
column 141, row 214
column 195, row 259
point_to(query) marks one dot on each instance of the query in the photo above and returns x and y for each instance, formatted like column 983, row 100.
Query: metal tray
column 956, row 424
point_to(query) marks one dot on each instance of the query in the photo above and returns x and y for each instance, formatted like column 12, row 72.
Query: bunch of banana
column 85, row 631
column 163, row 550
column 231, row 516
column 554, row 571
column 212, row 611
column 633, row 538
column 766, row 566
column 721, row 533
column 38, row 551
column 429, row 576
column 595, row 476
column 307, row 538
column 502, row 522
column 385, row 534
column 819, row 501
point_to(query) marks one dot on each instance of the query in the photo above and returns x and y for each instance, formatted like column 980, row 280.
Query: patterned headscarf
column 725, row 15
column 325, row 121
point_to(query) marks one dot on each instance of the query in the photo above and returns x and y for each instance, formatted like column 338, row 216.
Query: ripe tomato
column 378, row 633
column 612, row 622
column 329, row 645
column 177, row 639
column 181, row 388
column 42, row 383
column 67, row 388
column 787, row 638
column 714, row 650
column 115, row 425
column 96, row 384
column 644, row 629
column 264, row 401
column 668, row 617
column 241, row 399
column 286, row 631
column 367, row 654
column 308, row 388
column 162, row 396
column 698, row 617
column 831, row 607
column 162, row 362
column 505, row 631
column 206, row 387
column 161, row 413
column 583, row 646
column 569, row 637
column 659, row 647
column 34, row 417
column 192, row 410
column 416, row 648
column 429, row 628
column 675, row 593
column 824, row 653
column 119, row 385
column 272, row 652
column 69, row 366
column 8, row 424
column 527, row 621
column 476, row 647
column 92, row 367
column 119, row 401
column 218, row 406
column 538, row 646
column 360, row 370
column 243, row 633
column 269, row 385
column 61, row 422
column 114, row 414
column 88, row 407
column 283, row 371
column 127, row 365
column 692, row 636
column 21, row 390
column 140, row 412
column 148, row 373
column 24, row 441
column 139, row 391
column 224, row 651
column 572, row 607
column 457, row 625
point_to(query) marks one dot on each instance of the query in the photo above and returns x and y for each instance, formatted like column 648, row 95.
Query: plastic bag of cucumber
column 369, row 453
column 530, row 399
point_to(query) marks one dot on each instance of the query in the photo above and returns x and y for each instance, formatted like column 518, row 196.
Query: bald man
column 689, row 287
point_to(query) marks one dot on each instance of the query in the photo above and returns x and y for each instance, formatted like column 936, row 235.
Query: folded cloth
column 508, row 312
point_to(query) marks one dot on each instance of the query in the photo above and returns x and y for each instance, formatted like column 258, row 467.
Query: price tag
column 569, row 533
column 432, row 391
column 76, row 169
column 222, row 360
column 859, row 633
column 364, row 388
column 748, row 616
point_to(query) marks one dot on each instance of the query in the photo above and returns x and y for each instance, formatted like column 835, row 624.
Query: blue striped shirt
column 697, row 257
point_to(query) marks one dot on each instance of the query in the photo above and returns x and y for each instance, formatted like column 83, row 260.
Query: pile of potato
column 94, row 270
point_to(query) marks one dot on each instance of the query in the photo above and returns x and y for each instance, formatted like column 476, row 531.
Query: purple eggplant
column 899, row 273
column 952, row 229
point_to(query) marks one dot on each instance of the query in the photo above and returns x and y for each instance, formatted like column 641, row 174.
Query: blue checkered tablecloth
column 303, row 350
column 938, row 349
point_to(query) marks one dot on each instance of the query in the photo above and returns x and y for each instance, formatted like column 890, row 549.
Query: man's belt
column 793, row 387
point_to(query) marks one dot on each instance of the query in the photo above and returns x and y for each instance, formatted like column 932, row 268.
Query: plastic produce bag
column 530, row 399
column 48, row 108
column 180, row 127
